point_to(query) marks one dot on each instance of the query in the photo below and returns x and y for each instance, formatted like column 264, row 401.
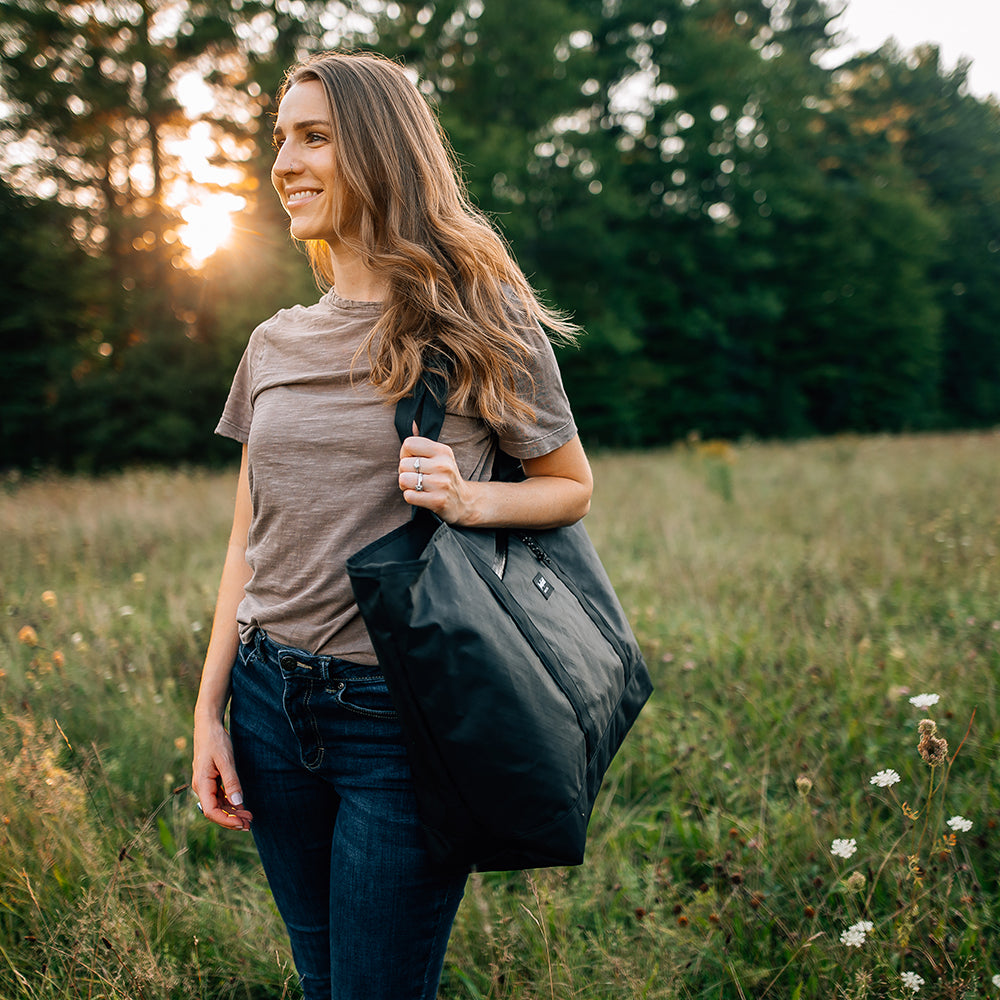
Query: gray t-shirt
column 323, row 459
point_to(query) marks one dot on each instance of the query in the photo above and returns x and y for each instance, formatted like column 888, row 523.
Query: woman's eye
column 315, row 137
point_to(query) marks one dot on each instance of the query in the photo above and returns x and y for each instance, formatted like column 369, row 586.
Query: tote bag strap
column 425, row 408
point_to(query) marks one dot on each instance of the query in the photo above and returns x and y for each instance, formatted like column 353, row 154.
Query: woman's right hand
column 214, row 778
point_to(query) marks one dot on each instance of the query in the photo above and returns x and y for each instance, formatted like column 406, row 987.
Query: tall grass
column 791, row 600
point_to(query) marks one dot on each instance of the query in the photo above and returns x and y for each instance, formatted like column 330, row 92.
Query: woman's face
column 304, row 171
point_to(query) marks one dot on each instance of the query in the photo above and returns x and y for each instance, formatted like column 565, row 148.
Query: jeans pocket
column 246, row 653
column 367, row 696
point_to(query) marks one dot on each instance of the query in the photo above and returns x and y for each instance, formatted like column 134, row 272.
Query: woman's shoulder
column 299, row 314
column 329, row 313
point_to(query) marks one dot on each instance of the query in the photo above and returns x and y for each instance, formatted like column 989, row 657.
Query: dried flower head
column 49, row 598
column 856, row 882
column 933, row 749
column 804, row 785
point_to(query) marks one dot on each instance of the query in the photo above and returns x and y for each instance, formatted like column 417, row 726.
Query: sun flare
column 208, row 225
column 199, row 197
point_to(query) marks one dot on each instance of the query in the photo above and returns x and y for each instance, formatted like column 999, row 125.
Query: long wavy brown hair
column 455, row 292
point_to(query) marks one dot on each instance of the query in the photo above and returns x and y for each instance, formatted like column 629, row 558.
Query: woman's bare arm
column 214, row 777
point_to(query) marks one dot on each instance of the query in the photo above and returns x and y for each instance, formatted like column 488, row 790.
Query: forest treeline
column 755, row 243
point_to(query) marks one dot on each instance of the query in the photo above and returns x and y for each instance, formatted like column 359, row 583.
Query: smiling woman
column 416, row 275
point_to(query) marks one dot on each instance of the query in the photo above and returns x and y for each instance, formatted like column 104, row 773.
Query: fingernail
column 236, row 798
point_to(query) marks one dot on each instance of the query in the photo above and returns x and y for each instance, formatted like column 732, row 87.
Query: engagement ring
column 420, row 482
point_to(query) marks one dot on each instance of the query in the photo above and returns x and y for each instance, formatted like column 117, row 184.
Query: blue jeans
column 324, row 771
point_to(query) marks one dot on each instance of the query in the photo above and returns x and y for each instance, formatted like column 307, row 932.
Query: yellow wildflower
column 28, row 636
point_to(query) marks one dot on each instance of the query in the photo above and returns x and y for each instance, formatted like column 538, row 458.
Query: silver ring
column 416, row 465
column 420, row 482
column 202, row 811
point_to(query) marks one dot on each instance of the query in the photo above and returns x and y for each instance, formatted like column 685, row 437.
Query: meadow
column 780, row 824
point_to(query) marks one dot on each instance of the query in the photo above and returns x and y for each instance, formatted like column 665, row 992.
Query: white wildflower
column 854, row 936
column 960, row 824
column 912, row 981
column 884, row 778
column 925, row 700
column 843, row 848
column 125, row 610
column 996, row 981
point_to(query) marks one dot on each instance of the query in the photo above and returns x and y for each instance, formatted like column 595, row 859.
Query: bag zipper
column 532, row 545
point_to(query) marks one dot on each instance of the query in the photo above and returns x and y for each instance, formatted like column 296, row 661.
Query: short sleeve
column 238, row 411
column 553, row 425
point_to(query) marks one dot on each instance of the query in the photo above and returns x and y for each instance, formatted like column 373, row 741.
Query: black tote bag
column 512, row 667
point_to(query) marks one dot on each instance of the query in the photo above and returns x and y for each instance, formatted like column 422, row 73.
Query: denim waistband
column 291, row 659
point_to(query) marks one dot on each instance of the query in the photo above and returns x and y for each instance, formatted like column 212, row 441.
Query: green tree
column 739, row 270
column 95, row 124
column 753, row 243
column 43, row 324
column 950, row 142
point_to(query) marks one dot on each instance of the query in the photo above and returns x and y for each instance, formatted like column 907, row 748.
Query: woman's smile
column 301, row 195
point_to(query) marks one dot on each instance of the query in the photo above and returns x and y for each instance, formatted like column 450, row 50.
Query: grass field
column 791, row 600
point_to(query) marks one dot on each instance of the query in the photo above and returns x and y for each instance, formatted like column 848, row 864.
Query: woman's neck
column 353, row 280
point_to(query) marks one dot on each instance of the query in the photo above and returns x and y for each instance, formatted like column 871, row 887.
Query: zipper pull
column 535, row 549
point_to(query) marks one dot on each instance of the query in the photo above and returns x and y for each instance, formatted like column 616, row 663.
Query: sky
column 959, row 28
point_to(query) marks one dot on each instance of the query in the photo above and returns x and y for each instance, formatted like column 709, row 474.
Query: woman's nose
column 285, row 162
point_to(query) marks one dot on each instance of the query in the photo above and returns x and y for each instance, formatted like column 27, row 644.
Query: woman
column 315, row 766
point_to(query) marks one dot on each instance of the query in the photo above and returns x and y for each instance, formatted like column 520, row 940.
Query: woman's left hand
column 429, row 477
column 556, row 489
